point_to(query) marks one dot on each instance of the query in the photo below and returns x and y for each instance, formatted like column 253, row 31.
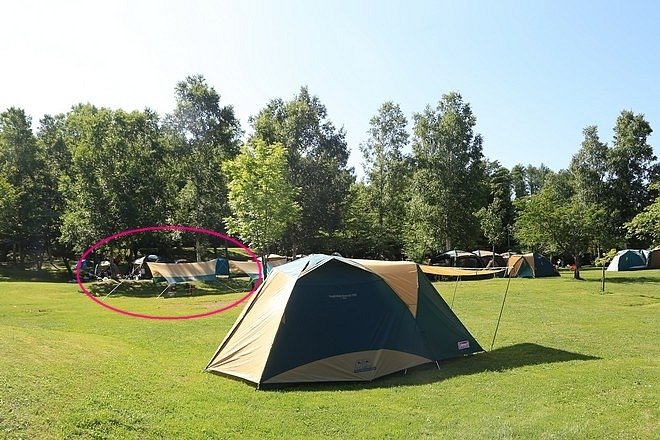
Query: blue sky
column 535, row 72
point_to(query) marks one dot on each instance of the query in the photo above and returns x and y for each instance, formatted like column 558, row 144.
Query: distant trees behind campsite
column 427, row 187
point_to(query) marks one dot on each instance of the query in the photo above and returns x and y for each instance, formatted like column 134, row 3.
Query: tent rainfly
column 327, row 318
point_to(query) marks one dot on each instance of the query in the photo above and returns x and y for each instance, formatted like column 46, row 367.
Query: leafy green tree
column 202, row 134
column 317, row 155
column 632, row 165
column 447, row 185
column 358, row 236
column 548, row 222
column 117, row 178
column 536, row 177
column 497, row 217
column 24, row 166
column 519, row 181
column 490, row 220
column 646, row 224
column 261, row 199
column 387, row 176
column 8, row 214
column 589, row 168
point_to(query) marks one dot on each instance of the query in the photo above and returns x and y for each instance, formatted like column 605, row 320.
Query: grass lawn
column 568, row 362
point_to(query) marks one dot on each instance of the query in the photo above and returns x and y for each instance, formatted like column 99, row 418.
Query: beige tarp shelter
column 250, row 268
column 328, row 318
column 184, row 272
column 458, row 272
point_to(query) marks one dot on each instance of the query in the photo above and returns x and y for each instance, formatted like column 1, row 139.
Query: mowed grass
column 568, row 362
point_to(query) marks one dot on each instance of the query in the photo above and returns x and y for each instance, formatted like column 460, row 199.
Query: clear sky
column 535, row 72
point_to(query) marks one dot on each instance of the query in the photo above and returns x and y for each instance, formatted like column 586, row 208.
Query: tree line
column 286, row 186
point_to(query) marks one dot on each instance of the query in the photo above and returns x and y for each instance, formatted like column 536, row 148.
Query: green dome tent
column 532, row 265
column 326, row 318
column 627, row 259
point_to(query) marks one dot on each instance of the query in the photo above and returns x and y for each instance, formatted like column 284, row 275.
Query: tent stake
column 500, row 317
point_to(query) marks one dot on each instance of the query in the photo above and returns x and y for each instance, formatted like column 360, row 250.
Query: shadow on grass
column 147, row 289
column 498, row 360
column 22, row 274
column 628, row 280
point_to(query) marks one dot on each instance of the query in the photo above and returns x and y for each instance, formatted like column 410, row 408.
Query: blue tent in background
column 627, row 259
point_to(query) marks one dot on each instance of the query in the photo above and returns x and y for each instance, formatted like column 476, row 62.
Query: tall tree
column 446, row 186
column 24, row 167
column 317, row 155
column 117, row 178
column 536, row 177
column 261, row 199
column 203, row 134
column 646, row 224
column 632, row 166
column 358, row 235
column 8, row 215
column 519, row 181
column 589, row 167
column 589, row 172
column 548, row 222
column 386, row 177
column 496, row 218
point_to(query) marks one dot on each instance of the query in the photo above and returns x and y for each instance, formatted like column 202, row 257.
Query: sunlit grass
column 568, row 362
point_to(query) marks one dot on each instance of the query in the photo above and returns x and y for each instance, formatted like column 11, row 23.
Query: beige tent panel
column 275, row 260
column 457, row 272
column 358, row 366
column 245, row 350
column 513, row 264
column 182, row 270
column 401, row 276
column 248, row 267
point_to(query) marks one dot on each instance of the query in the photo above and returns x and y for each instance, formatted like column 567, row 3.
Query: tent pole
column 454, row 295
column 500, row 317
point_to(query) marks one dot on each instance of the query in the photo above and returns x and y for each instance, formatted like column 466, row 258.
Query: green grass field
column 568, row 362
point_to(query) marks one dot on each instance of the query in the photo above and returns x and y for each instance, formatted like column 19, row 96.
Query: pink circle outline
column 105, row 240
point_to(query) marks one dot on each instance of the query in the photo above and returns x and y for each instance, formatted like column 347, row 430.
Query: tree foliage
column 447, row 185
column 30, row 187
column 646, row 224
column 549, row 223
column 387, row 175
column 202, row 134
column 317, row 155
column 116, row 179
column 632, row 167
column 261, row 199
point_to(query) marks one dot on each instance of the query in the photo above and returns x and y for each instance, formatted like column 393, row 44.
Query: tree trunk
column 198, row 244
column 576, row 273
column 65, row 260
